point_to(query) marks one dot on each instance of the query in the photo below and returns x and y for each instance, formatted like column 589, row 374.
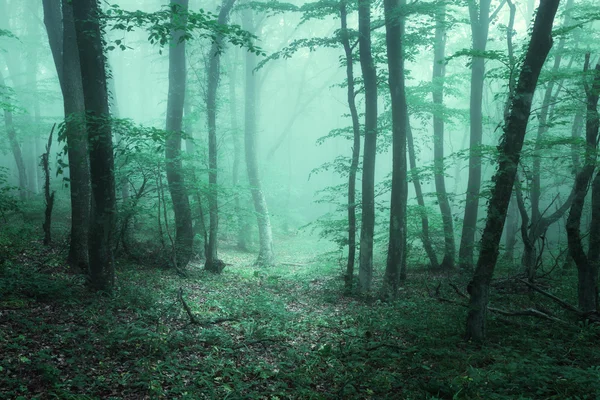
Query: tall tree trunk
column 508, row 159
column 265, row 256
column 394, row 37
column 511, row 230
column 480, row 22
column 437, row 92
column 213, row 264
column 184, row 234
column 369, row 73
column 93, row 75
column 242, row 234
column 587, row 264
column 14, row 143
column 63, row 43
column 414, row 176
column 351, row 94
column 539, row 223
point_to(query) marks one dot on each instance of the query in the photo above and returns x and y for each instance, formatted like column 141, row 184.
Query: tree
column 184, row 235
column 93, row 75
column 213, row 263
column 480, row 23
column 265, row 236
column 587, row 264
column 12, row 138
column 60, row 27
column 509, row 155
column 369, row 73
column 437, row 93
column 351, row 97
column 394, row 35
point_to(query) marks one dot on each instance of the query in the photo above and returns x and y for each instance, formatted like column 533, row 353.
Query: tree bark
column 369, row 73
column 587, row 264
column 479, row 16
column 351, row 95
column 184, row 234
column 213, row 264
column 14, row 143
column 414, row 176
column 242, row 237
column 539, row 224
column 508, row 159
column 439, row 53
column 93, row 75
column 63, row 44
column 394, row 37
column 266, row 256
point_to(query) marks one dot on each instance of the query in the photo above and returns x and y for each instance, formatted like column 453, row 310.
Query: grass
column 290, row 333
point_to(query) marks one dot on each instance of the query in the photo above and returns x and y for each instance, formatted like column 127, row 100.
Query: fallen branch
column 187, row 309
column 563, row 303
column 529, row 312
column 293, row 264
column 196, row 321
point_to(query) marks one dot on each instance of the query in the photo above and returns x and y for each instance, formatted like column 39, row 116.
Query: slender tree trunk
column 439, row 53
column 351, row 94
column 213, row 263
column 14, row 143
column 184, row 234
column 587, row 264
column 63, row 43
column 479, row 16
column 369, row 73
column 394, row 29
column 48, row 194
column 511, row 230
column 539, row 223
column 93, row 76
column 242, row 234
column 265, row 256
column 414, row 175
column 508, row 159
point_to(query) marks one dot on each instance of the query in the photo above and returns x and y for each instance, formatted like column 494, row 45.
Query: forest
column 281, row 199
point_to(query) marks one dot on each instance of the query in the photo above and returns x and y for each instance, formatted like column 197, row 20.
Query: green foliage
column 286, row 332
column 160, row 26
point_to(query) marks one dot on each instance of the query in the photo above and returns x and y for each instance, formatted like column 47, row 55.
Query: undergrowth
column 287, row 332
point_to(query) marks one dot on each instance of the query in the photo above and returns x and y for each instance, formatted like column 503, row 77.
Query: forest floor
column 285, row 332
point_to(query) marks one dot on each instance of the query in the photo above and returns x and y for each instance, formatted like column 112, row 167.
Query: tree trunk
column 439, row 53
column 539, row 223
column 184, row 234
column 394, row 35
column 213, row 264
column 508, row 159
column 355, row 146
column 63, row 44
column 479, row 16
column 587, row 264
column 414, row 175
column 93, row 75
column 265, row 235
column 14, row 143
column 236, row 136
column 48, row 195
column 365, row 271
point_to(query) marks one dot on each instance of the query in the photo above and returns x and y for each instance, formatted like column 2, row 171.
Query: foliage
column 287, row 332
column 160, row 26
